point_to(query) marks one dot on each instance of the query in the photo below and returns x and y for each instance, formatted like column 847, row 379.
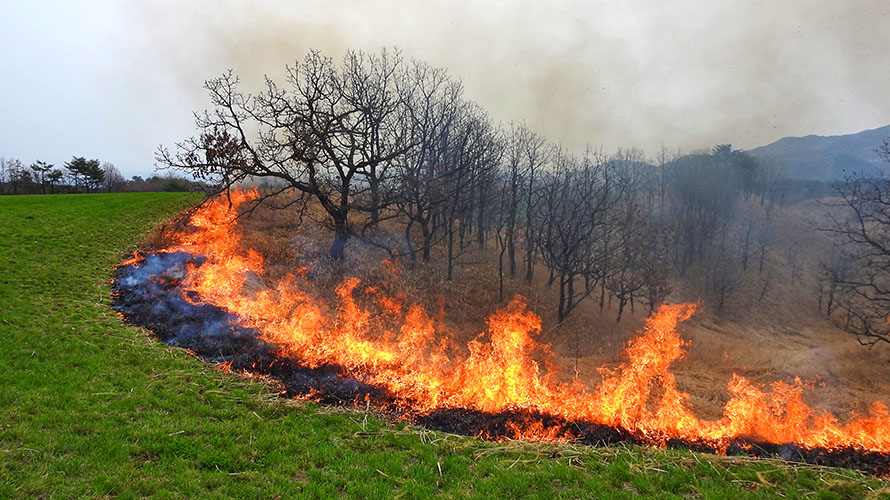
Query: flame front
column 504, row 367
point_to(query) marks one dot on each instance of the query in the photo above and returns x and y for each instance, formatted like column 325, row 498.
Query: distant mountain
column 827, row 158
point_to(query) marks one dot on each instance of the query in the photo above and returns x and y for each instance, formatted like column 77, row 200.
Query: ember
column 193, row 295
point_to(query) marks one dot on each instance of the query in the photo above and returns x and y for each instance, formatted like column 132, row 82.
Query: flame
column 504, row 368
column 134, row 260
column 536, row 430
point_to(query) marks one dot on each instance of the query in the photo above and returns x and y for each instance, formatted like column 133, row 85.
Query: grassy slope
column 91, row 407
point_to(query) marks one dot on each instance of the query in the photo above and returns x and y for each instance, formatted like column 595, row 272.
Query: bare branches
column 333, row 135
column 579, row 222
column 857, row 282
column 377, row 142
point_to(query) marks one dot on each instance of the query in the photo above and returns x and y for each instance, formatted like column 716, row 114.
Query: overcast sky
column 114, row 79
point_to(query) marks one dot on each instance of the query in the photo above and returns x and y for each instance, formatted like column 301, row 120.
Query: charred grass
column 90, row 407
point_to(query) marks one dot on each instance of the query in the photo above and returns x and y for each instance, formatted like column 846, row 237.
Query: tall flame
column 504, row 367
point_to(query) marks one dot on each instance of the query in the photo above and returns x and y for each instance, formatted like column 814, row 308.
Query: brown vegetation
column 770, row 328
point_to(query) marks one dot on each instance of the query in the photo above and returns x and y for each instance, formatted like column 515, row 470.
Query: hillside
column 827, row 158
column 771, row 328
column 93, row 408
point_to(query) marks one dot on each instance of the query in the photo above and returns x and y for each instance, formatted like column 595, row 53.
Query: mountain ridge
column 827, row 158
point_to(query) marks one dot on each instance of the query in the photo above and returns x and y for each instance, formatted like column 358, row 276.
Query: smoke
column 684, row 74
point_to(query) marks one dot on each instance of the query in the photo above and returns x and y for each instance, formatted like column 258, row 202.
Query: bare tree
column 435, row 106
column 537, row 154
column 704, row 196
column 750, row 221
column 638, row 266
column 114, row 181
column 476, row 151
column 793, row 261
column 865, row 226
column 516, row 141
column 499, row 213
column 14, row 177
column 578, row 202
column 833, row 272
column 332, row 134
column 4, row 175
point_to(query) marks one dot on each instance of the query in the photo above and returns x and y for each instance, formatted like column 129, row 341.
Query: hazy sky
column 114, row 79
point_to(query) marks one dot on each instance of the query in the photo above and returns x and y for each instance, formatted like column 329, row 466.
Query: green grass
column 90, row 407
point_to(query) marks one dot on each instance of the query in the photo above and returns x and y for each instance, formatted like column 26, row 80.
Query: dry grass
column 779, row 337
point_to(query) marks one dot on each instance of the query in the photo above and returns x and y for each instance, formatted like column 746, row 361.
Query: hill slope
column 827, row 158
column 90, row 407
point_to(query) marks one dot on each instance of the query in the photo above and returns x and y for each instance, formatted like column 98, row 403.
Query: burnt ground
column 149, row 294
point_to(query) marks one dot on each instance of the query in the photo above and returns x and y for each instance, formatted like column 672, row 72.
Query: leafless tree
column 435, row 106
column 723, row 280
column 514, row 156
column 833, row 271
column 476, row 151
column 865, row 227
column 749, row 223
column 114, row 181
column 578, row 202
column 15, row 178
column 332, row 134
column 537, row 154
column 704, row 197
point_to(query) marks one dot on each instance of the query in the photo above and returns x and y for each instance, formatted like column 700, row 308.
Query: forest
column 388, row 153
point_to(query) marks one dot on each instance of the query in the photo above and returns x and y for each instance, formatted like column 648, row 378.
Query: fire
column 504, row 368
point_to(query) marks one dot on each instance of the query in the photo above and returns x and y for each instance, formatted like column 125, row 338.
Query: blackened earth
column 149, row 293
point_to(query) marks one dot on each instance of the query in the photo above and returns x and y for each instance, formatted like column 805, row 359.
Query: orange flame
column 501, row 369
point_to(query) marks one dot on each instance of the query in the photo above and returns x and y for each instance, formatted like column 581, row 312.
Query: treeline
column 81, row 175
column 386, row 146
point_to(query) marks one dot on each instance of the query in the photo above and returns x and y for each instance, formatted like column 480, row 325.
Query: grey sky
column 112, row 80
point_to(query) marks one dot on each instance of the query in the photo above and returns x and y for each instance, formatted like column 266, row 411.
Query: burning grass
column 93, row 408
column 210, row 293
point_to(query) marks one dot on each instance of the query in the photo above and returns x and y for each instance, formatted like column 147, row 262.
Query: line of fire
column 207, row 290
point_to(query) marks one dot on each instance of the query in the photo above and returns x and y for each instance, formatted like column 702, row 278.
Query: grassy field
column 90, row 407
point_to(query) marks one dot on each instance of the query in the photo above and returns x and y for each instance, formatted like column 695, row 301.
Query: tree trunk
column 560, row 311
column 511, row 252
column 427, row 241
column 408, row 242
column 529, row 260
column 480, row 220
column 570, row 292
column 341, row 234
column 746, row 245
column 622, row 301
column 529, row 235
column 375, row 205
column 501, row 269
column 450, row 230
column 762, row 255
column 602, row 295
